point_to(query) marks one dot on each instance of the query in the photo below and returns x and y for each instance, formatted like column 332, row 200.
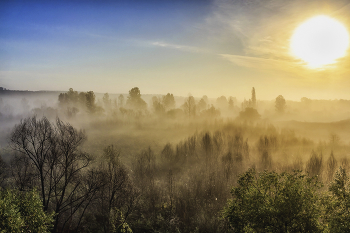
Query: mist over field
column 174, row 116
column 180, row 155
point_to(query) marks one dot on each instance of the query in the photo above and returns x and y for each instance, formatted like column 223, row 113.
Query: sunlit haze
column 320, row 41
column 210, row 47
column 174, row 116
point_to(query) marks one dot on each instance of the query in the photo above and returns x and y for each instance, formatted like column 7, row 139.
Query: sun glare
column 320, row 41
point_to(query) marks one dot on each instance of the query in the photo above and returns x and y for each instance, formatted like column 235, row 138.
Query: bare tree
column 60, row 167
column 117, row 192
column 33, row 138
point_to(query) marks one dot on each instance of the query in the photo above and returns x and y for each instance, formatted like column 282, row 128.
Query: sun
column 320, row 41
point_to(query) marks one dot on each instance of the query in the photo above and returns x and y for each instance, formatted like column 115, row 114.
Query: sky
column 202, row 47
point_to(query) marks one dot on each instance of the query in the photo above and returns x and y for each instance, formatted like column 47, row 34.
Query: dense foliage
column 23, row 212
column 272, row 202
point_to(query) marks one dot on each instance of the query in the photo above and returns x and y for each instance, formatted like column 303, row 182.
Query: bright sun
column 320, row 41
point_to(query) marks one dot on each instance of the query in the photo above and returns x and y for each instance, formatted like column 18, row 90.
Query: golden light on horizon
column 320, row 41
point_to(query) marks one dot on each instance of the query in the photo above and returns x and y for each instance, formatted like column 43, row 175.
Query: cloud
column 263, row 28
column 259, row 63
column 293, row 71
column 179, row 47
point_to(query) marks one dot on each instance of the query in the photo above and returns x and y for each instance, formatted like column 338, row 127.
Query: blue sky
column 209, row 48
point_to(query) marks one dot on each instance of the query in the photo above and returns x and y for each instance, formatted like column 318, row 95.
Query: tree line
column 183, row 188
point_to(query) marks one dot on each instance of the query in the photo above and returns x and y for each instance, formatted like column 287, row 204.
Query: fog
column 183, row 154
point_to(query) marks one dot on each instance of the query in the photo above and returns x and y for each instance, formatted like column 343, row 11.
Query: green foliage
column 272, row 202
column 339, row 203
column 119, row 225
column 23, row 212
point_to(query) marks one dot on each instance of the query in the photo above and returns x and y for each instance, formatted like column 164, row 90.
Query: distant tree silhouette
column 211, row 112
column 230, row 103
column 202, row 104
column 222, row 102
column 71, row 97
column 106, row 100
column 82, row 99
column 190, row 106
column 249, row 114
column 121, row 100
column 280, row 104
column 158, row 107
column 134, row 100
column 168, row 101
column 253, row 98
column 90, row 101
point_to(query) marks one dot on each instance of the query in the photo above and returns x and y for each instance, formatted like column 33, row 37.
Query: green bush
column 272, row 202
column 339, row 203
column 23, row 212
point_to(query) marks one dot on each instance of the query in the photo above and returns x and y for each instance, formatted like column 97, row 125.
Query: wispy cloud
column 259, row 63
column 179, row 47
column 263, row 28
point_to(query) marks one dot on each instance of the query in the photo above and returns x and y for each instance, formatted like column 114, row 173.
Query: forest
column 88, row 162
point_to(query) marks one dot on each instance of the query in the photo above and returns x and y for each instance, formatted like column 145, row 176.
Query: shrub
column 23, row 212
column 272, row 202
column 339, row 203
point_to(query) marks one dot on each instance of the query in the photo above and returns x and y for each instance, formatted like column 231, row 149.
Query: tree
column 135, row 101
column 168, row 101
column 158, row 107
column 249, row 114
column 280, row 104
column 23, row 212
column 90, row 101
column 222, row 102
column 106, row 100
column 60, row 167
column 117, row 193
column 230, row 103
column 71, row 97
column 253, row 98
column 121, row 100
column 3, row 172
column 82, row 99
column 202, row 104
column 339, row 203
column 211, row 112
column 190, row 106
column 272, row 202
